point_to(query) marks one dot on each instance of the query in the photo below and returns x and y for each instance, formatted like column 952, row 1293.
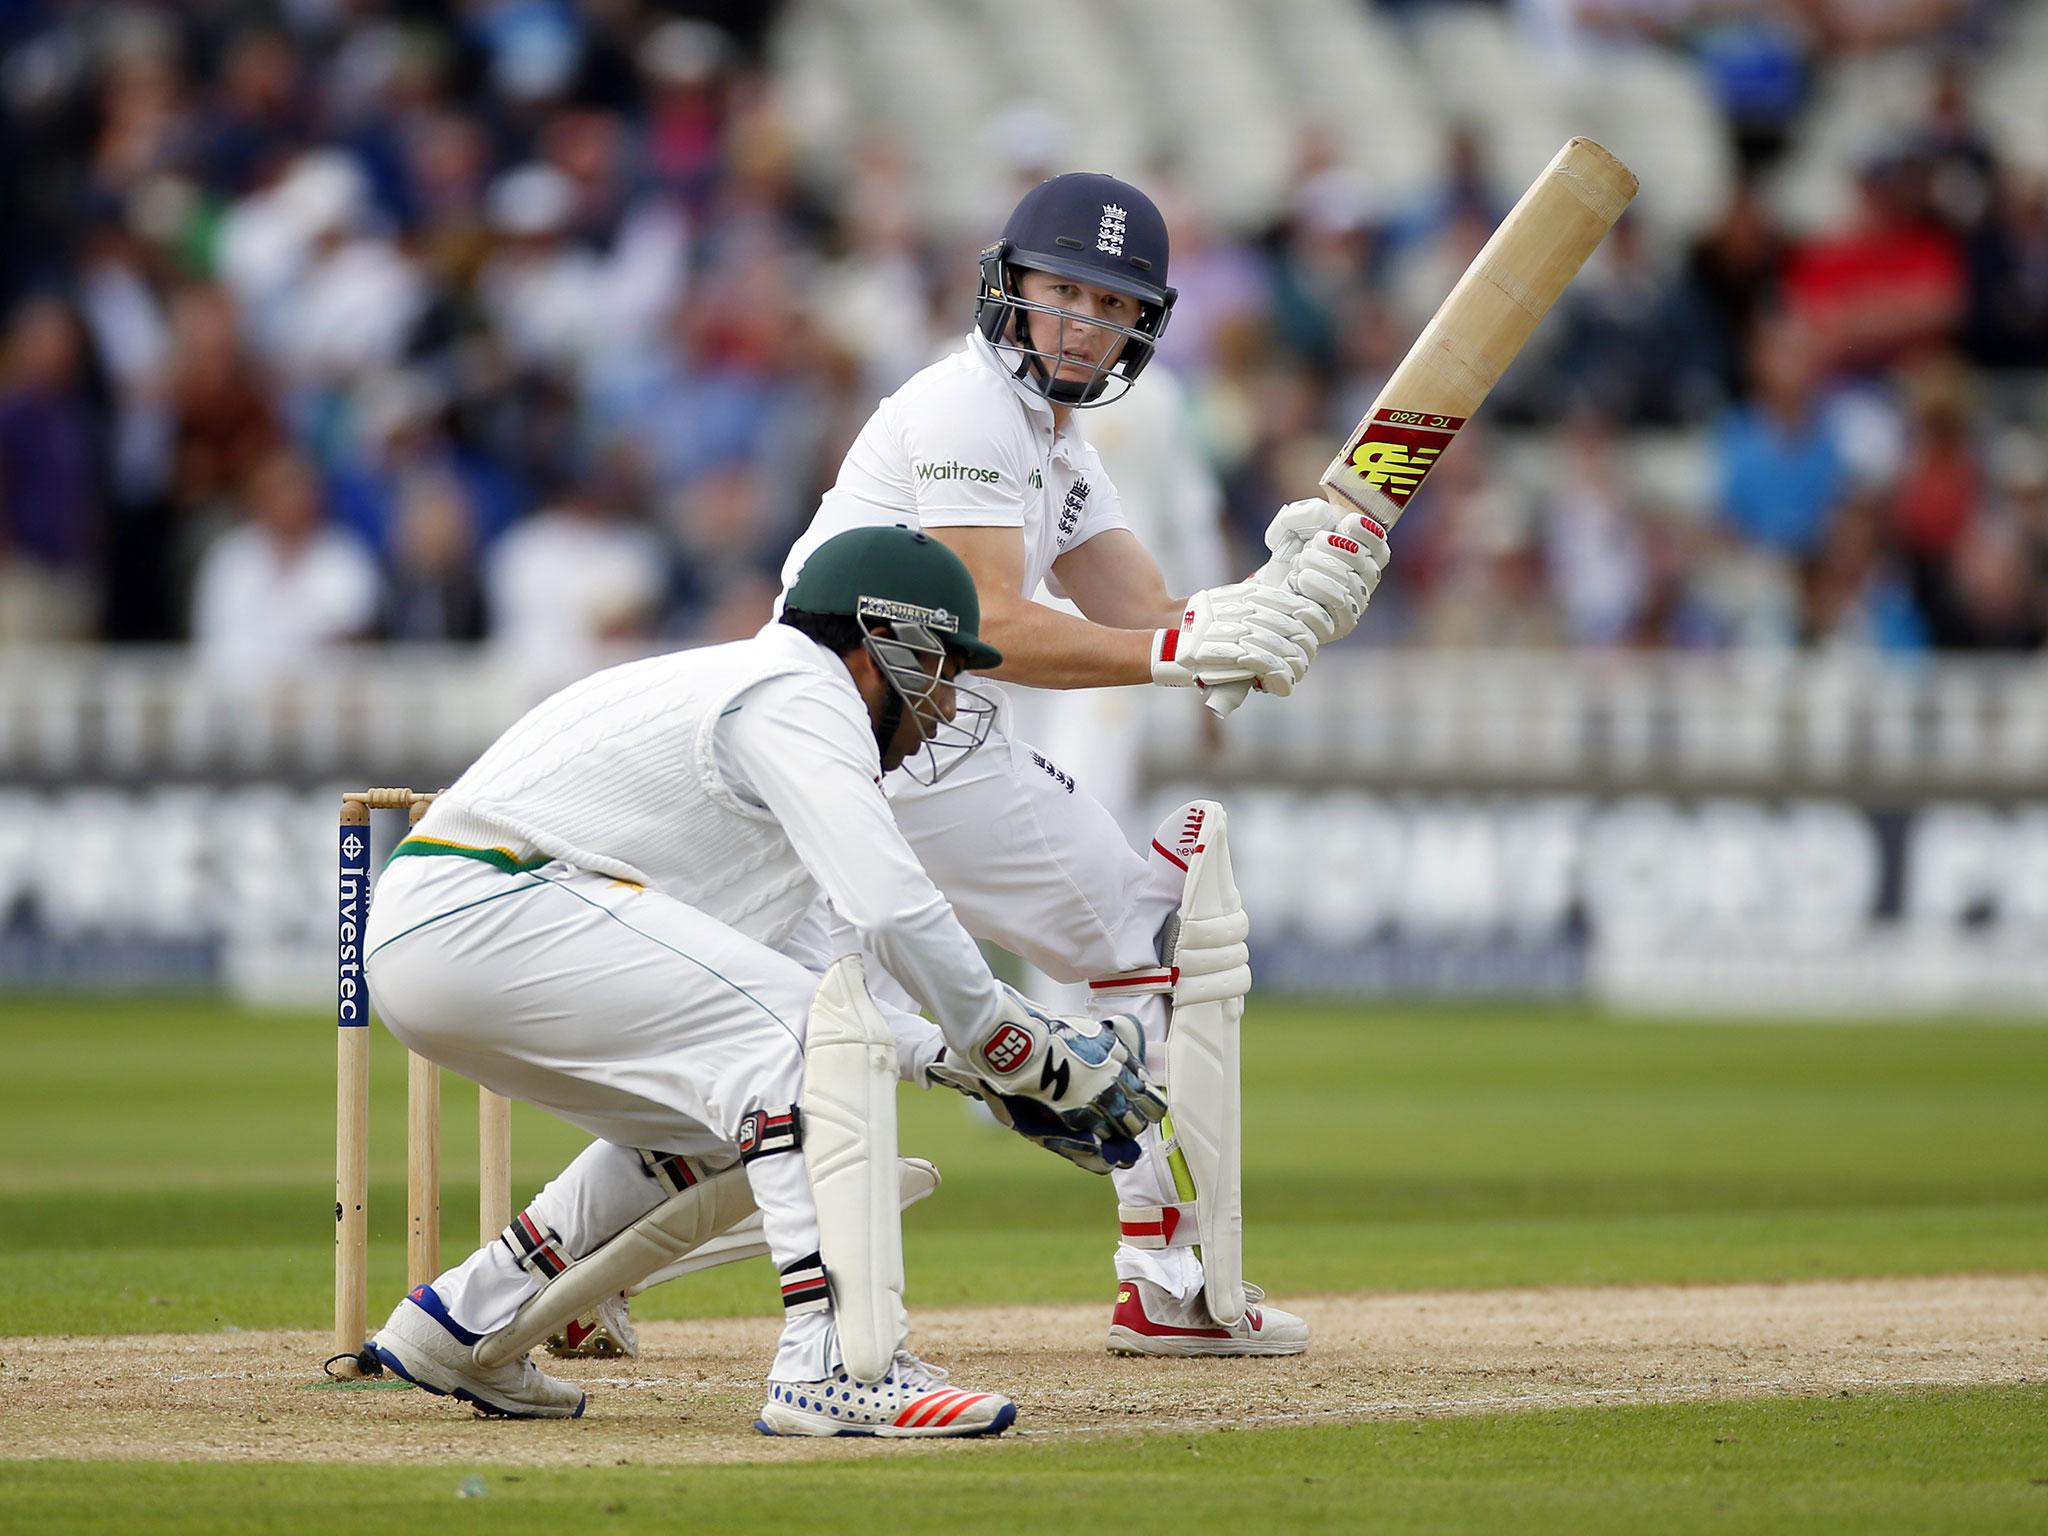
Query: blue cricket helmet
column 1094, row 229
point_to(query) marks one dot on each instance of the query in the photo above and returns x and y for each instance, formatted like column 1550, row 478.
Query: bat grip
column 1223, row 699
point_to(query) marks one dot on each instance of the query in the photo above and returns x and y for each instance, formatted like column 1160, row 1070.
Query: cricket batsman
column 614, row 914
column 984, row 452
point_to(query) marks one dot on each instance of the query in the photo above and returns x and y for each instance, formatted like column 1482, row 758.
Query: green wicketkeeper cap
column 902, row 576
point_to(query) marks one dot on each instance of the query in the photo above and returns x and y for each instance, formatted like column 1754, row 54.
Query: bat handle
column 1223, row 699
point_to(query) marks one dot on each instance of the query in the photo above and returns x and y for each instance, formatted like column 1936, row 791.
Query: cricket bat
column 1471, row 339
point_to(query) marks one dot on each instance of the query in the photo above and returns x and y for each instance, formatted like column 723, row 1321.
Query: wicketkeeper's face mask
column 951, row 717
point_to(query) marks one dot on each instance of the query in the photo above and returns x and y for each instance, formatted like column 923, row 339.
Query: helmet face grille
column 1040, row 366
column 948, row 734
column 1001, row 315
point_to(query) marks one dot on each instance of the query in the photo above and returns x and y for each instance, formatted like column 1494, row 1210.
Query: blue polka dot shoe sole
column 888, row 1411
column 825, row 1429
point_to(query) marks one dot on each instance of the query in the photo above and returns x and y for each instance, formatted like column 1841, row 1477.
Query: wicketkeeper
column 611, row 915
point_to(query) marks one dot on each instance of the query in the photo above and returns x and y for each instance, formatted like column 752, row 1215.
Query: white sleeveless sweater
column 617, row 774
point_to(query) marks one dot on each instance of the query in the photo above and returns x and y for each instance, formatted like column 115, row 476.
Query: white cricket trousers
column 627, row 1013
column 1031, row 861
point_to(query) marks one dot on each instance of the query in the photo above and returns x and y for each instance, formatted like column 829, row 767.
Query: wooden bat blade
column 1468, row 344
column 1477, row 331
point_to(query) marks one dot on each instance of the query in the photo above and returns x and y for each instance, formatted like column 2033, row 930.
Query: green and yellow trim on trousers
column 498, row 858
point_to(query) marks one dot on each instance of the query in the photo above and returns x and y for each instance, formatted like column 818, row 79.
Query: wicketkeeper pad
column 915, row 1179
column 849, row 1146
column 689, row 1218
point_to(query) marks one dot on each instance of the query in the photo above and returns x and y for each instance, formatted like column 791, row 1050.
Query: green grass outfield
column 169, row 1164
column 1953, row 1462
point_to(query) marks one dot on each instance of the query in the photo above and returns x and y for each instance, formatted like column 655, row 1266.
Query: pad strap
column 1146, row 979
column 764, row 1132
column 1161, row 1226
column 670, row 1170
column 537, row 1251
column 803, row 1286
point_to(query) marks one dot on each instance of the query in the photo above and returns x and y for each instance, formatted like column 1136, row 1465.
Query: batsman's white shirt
column 1174, row 504
column 1028, row 858
column 610, row 915
column 964, row 445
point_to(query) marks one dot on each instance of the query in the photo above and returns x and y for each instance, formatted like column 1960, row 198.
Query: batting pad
column 1202, row 1058
column 849, row 1112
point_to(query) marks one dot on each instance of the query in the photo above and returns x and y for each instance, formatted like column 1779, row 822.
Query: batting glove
column 1244, row 632
column 1330, row 554
column 1339, row 570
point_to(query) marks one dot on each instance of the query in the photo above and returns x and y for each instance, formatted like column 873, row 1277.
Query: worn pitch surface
column 694, row 1392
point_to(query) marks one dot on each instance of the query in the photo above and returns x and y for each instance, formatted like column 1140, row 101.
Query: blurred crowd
column 526, row 323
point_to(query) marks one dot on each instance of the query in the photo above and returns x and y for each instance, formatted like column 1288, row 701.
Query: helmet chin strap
column 892, row 717
column 1028, row 361
column 892, row 705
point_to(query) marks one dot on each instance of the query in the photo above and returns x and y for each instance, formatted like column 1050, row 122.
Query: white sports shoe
column 425, row 1346
column 913, row 1400
column 1149, row 1321
column 606, row 1334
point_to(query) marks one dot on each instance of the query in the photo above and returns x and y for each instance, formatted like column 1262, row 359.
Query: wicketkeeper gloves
column 1076, row 1086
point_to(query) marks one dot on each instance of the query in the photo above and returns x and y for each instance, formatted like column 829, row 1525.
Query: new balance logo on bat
column 1393, row 466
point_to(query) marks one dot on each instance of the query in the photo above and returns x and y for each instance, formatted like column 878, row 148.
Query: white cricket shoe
column 606, row 1334
column 1149, row 1321
column 913, row 1400
column 425, row 1346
